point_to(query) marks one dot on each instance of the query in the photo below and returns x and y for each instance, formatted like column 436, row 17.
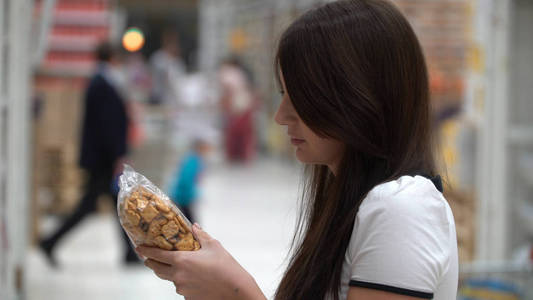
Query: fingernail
column 197, row 226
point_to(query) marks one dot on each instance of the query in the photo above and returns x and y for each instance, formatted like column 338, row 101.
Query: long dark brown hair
column 355, row 72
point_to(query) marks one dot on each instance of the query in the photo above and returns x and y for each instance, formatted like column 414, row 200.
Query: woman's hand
column 209, row 273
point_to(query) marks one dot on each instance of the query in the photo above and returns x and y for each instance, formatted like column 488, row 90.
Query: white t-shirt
column 403, row 242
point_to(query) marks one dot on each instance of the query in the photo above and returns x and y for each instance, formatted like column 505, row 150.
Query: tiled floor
column 250, row 209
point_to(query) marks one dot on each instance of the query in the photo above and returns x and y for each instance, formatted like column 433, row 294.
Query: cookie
column 184, row 228
column 131, row 204
column 161, row 206
column 170, row 215
column 160, row 242
column 141, row 203
column 196, row 245
column 146, row 194
column 149, row 213
column 154, row 229
column 132, row 217
column 187, row 244
column 170, row 229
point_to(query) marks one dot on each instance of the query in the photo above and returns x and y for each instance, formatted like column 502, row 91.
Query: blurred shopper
column 103, row 146
column 167, row 69
column 137, row 91
column 238, row 101
column 184, row 186
column 374, row 223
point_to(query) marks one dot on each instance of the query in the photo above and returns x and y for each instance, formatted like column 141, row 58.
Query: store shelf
column 72, row 30
column 83, row 5
column 67, row 69
column 496, row 280
column 77, row 28
column 82, row 18
column 496, row 267
column 73, row 43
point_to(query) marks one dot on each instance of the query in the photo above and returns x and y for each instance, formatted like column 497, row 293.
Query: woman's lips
column 296, row 141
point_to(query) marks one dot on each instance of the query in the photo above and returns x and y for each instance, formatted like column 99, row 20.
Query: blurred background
column 196, row 81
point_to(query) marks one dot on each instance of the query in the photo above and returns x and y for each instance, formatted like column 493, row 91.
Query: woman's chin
column 302, row 157
column 305, row 158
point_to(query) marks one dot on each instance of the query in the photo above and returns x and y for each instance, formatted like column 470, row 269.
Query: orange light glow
column 133, row 39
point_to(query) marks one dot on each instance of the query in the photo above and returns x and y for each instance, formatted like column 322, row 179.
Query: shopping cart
column 496, row 281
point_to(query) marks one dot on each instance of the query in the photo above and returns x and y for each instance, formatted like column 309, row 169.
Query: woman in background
column 239, row 102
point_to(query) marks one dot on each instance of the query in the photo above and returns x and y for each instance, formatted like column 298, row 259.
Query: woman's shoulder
column 404, row 237
column 406, row 197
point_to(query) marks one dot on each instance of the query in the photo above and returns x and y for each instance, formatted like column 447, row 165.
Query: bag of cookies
column 149, row 216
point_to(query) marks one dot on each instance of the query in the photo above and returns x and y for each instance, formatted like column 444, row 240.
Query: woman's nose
column 278, row 117
column 282, row 116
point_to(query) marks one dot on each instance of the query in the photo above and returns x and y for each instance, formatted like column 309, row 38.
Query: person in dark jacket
column 103, row 147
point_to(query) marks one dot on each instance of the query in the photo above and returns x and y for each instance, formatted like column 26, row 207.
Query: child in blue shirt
column 184, row 186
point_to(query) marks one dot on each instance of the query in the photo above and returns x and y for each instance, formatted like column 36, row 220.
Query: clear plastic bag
column 149, row 217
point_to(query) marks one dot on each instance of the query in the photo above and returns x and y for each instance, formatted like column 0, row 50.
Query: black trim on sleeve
column 391, row 289
column 437, row 181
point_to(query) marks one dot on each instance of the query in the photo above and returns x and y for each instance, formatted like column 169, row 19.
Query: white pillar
column 493, row 205
column 3, row 255
column 18, row 134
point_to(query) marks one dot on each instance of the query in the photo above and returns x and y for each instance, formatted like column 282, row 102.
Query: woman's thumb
column 200, row 235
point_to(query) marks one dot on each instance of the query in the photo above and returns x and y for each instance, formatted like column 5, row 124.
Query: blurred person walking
column 103, row 146
column 238, row 101
column 167, row 69
column 374, row 223
column 138, row 85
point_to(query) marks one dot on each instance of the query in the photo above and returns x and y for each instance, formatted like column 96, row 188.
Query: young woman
column 374, row 224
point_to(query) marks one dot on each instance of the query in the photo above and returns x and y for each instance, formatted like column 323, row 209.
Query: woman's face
column 310, row 148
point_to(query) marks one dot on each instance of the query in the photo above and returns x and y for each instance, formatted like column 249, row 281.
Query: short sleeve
column 400, row 242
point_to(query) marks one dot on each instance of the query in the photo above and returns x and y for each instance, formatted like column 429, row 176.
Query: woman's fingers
column 160, row 255
column 200, row 235
column 139, row 254
column 166, row 272
column 162, row 270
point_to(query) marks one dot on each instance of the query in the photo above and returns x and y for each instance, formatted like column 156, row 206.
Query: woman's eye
column 282, row 92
